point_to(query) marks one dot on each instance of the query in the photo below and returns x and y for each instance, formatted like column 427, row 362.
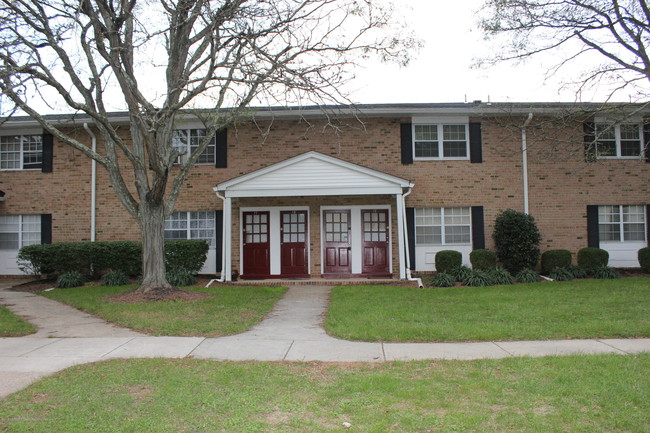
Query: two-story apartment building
column 367, row 192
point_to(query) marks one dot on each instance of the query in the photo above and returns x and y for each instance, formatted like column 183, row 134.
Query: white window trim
column 182, row 158
column 442, row 227
column 621, row 225
column 617, row 135
column 22, row 149
column 189, row 229
column 21, row 232
column 440, row 122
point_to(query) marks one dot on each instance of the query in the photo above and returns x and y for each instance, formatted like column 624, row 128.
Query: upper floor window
column 187, row 141
column 440, row 140
column 19, row 152
column 443, row 226
column 618, row 140
column 621, row 223
column 17, row 231
column 191, row 225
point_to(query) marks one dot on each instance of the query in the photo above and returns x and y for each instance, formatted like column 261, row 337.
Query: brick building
column 293, row 192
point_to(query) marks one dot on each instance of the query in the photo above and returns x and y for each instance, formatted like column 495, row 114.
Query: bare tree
column 217, row 54
column 608, row 37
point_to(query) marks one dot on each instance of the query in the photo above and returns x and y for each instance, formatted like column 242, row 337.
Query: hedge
column 552, row 259
column 448, row 261
column 592, row 258
column 483, row 260
column 644, row 259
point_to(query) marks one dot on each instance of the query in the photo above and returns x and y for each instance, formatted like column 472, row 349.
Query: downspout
column 406, row 240
column 93, row 187
column 222, row 274
column 524, row 158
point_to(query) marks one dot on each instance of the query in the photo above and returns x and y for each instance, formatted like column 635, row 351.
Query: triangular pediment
column 312, row 173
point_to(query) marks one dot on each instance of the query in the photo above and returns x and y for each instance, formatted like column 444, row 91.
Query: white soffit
column 309, row 174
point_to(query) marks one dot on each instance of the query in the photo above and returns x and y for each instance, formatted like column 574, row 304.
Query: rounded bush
column 527, row 276
column 179, row 277
column 461, row 273
column 592, row 258
column 443, row 279
column 70, row 279
column 517, row 239
column 605, row 273
column 477, row 278
column 499, row 276
column 483, row 260
column 115, row 278
column 552, row 259
column 448, row 260
column 560, row 274
column 644, row 259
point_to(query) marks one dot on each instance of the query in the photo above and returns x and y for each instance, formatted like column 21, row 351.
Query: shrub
column 560, row 274
column 591, row 258
column 443, row 279
column 188, row 255
column 115, row 278
column 644, row 259
column 605, row 273
column 180, row 277
column 499, row 276
column 527, row 276
column 517, row 240
column 577, row 271
column 552, row 259
column 70, row 279
column 448, row 260
column 461, row 273
column 477, row 278
column 483, row 260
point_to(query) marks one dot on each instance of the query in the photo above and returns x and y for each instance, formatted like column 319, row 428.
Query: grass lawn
column 12, row 325
column 229, row 310
column 539, row 311
column 603, row 393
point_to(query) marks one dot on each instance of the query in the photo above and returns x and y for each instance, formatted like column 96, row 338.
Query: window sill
column 441, row 159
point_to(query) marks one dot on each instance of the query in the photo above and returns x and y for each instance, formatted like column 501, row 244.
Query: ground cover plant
column 534, row 311
column 590, row 393
column 226, row 310
column 12, row 325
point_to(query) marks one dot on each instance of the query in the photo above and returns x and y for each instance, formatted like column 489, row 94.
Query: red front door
column 336, row 242
column 256, row 245
column 293, row 245
column 375, row 242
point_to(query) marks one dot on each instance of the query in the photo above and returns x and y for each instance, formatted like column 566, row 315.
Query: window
column 443, row 226
column 187, row 141
column 17, row 231
column 440, row 141
column 621, row 223
column 18, row 152
column 618, row 141
column 191, row 225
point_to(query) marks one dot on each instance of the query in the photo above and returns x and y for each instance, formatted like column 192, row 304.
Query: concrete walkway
column 292, row 332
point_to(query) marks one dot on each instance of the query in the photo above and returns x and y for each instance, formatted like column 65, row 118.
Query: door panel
column 256, row 244
column 375, row 243
column 336, row 242
column 293, row 244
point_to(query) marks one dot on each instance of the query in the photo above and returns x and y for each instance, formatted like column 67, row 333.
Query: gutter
column 409, row 277
column 93, row 191
column 524, row 159
column 222, row 274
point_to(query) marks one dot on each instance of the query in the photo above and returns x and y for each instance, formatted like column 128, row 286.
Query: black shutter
column 406, row 132
column 46, row 228
column 590, row 141
column 218, row 244
column 410, row 228
column 647, row 224
column 593, row 238
column 646, row 141
column 475, row 143
column 478, row 228
column 221, row 150
column 48, row 153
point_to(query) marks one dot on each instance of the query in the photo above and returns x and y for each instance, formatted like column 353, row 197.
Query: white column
column 227, row 238
column 400, row 236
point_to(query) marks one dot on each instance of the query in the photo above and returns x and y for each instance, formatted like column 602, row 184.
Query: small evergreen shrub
column 483, row 260
column 560, row 274
column 605, row 273
column 527, row 276
column 187, row 255
column 448, row 260
column 477, row 278
column 552, row 259
column 644, row 259
column 517, row 239
column 443, row 279
column 70, row 279
column 180, row 277
column 592, row 258
column 499, row 276
column 461, row 273
column 577, row 271
column 115, row 278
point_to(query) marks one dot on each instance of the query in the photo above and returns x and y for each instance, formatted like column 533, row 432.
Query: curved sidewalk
column 292, row 332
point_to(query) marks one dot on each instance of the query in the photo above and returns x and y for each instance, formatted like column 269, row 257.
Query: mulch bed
column 134, row 297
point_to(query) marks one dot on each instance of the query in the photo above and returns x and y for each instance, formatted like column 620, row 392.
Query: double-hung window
column 622, row 223
column 187, row 141
column 21, row 152
column 432, row 141
column 17, row 231
column 623, row 140
column 443, row 226
column 191, row 225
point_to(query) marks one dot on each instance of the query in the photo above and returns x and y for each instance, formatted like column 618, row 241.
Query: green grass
column 590, row 394
column 539, row 311
column 12, row 325
column 229, row 310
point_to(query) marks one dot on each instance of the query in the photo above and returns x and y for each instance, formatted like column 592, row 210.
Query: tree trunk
column 152, row 225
